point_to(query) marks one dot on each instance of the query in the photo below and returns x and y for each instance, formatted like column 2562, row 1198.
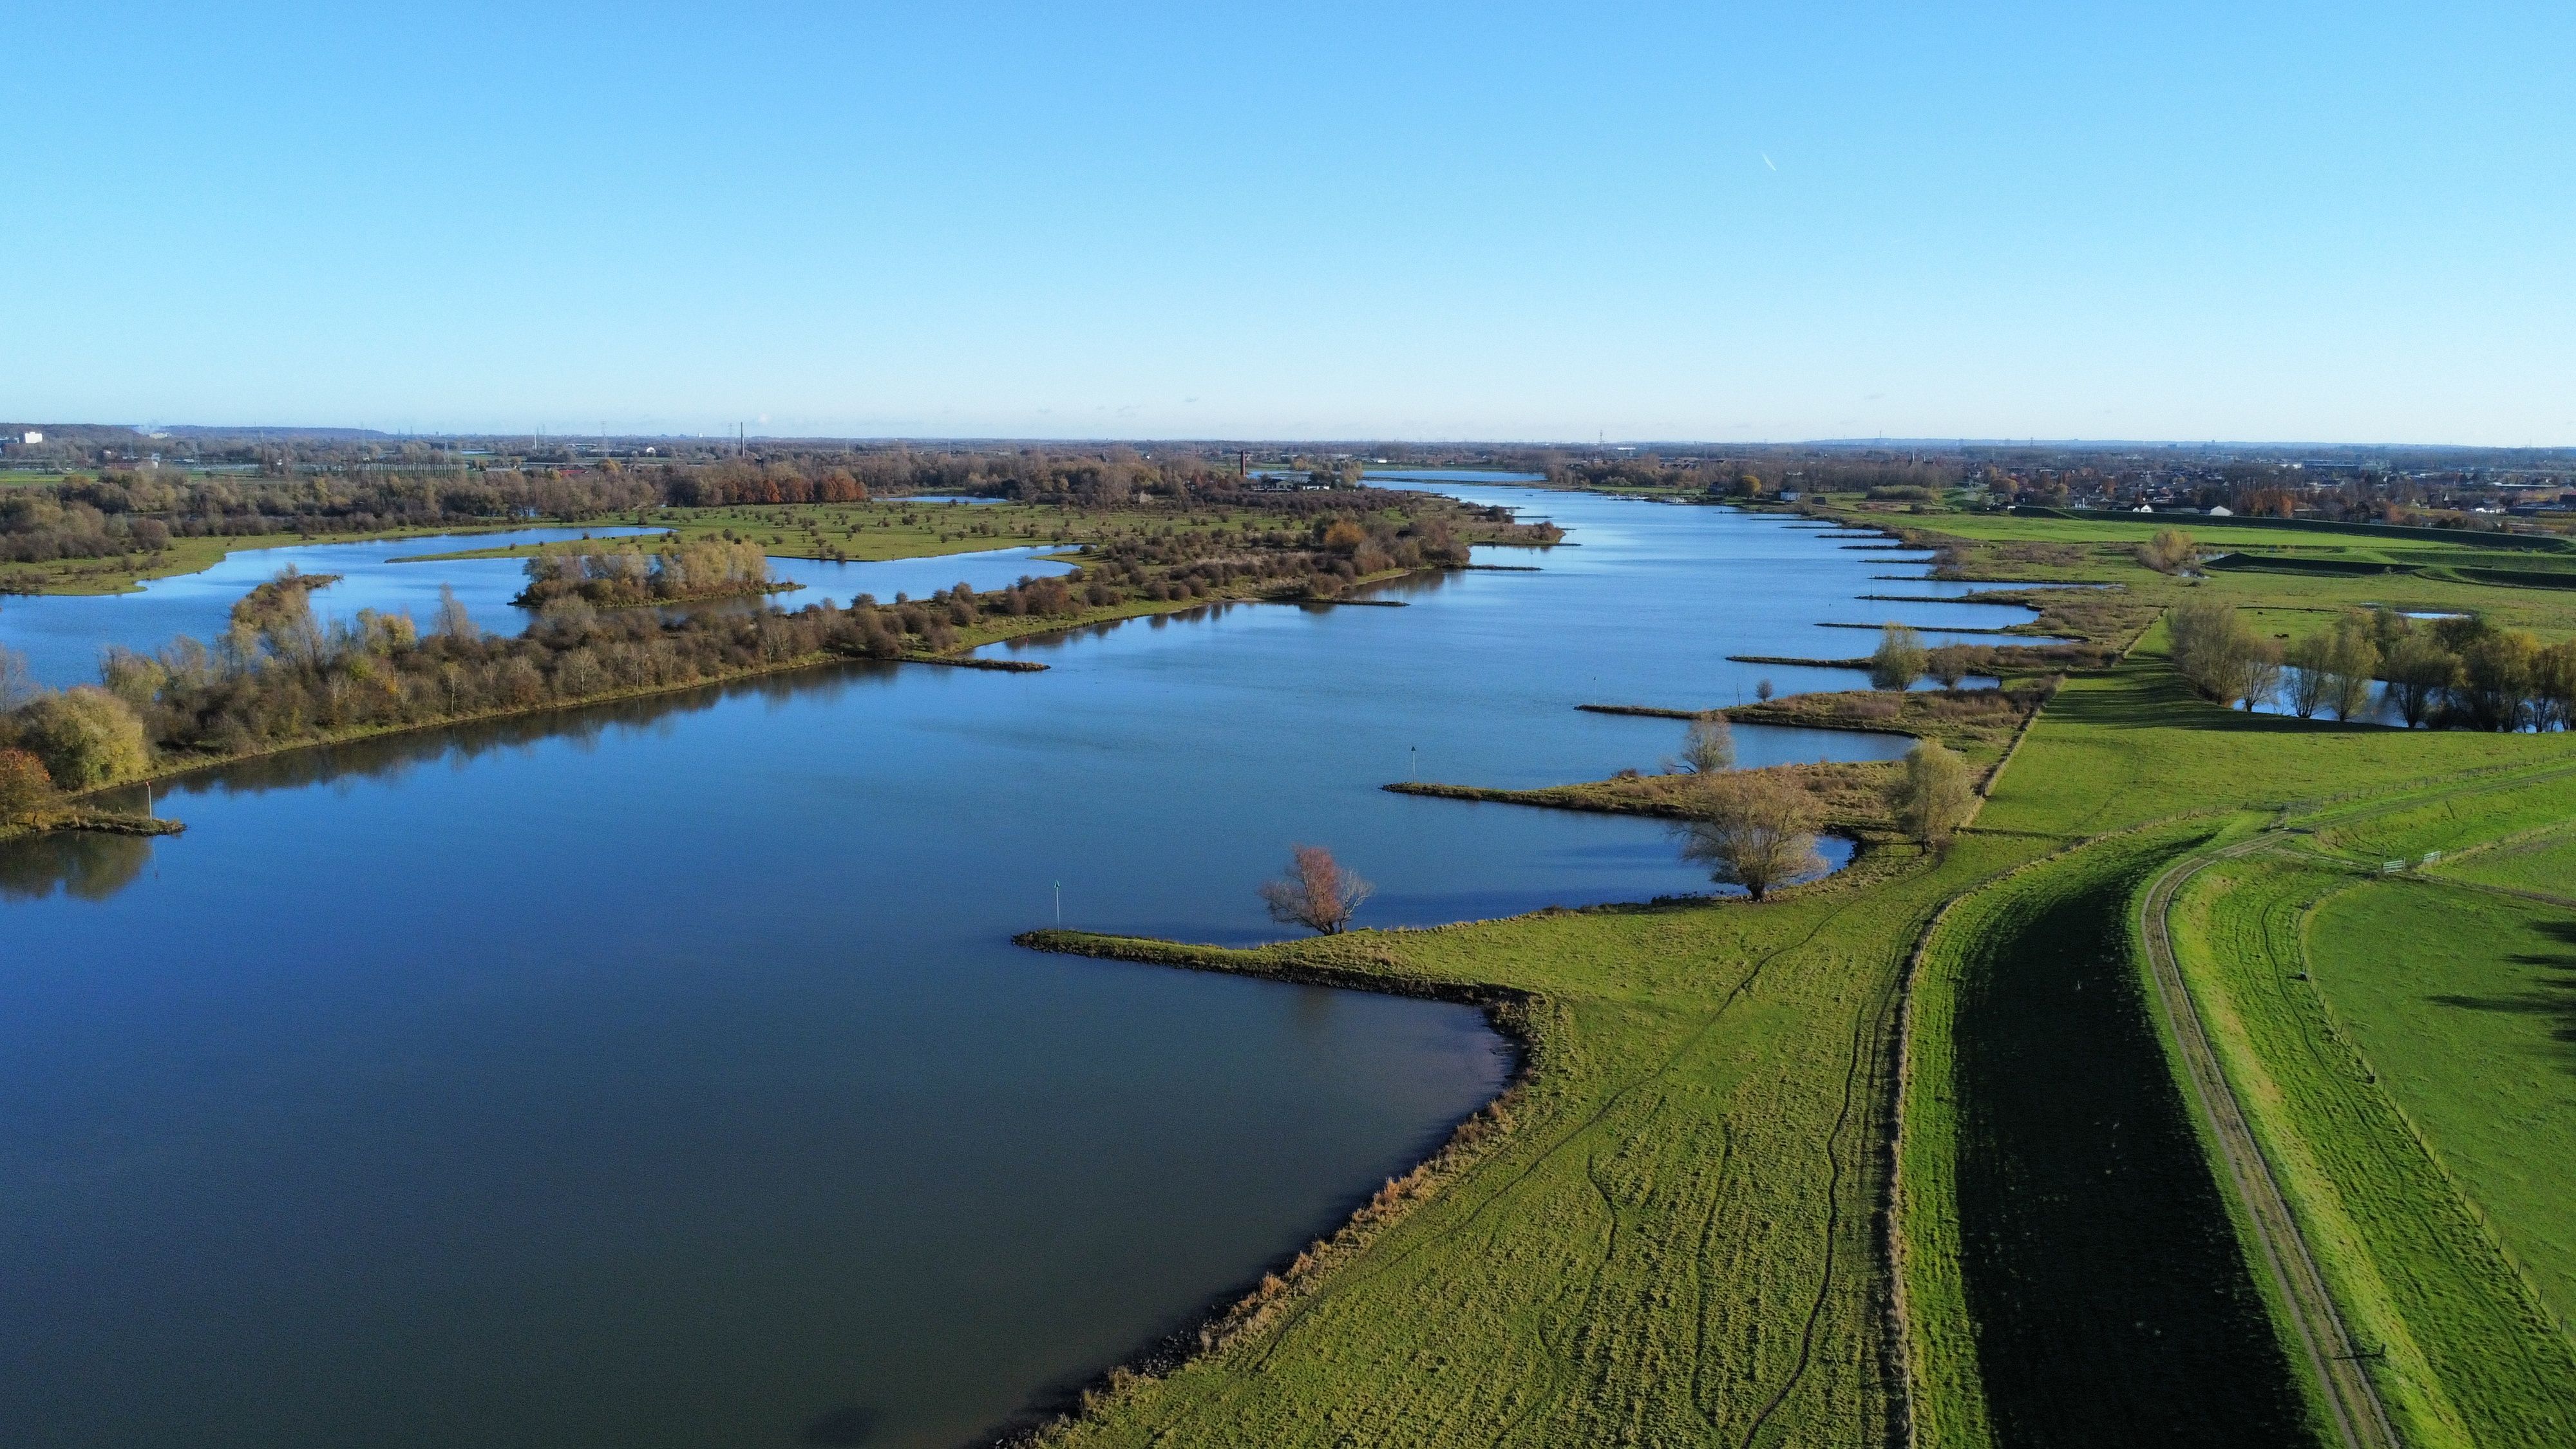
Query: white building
column 32, row 437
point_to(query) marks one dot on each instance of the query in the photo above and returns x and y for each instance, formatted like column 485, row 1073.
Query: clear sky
column 2347, row 222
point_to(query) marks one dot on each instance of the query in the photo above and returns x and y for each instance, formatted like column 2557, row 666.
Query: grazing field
column 2541, row 862
column 2466, row 1354
column 2132, row 750
column 2462, row 1002
column 1676, row 1241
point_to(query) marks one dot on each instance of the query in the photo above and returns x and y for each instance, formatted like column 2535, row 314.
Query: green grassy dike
column 2129, row 772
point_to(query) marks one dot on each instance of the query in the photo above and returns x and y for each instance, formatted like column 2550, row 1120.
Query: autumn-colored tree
column 1315, row 892
column 24, row 786
column 2168, row 551
column 1751, row 828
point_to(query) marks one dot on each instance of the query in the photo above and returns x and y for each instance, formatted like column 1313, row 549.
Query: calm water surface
column 663, row 1074
column 63, row 635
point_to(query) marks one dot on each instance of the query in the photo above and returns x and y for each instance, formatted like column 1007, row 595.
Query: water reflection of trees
column 388, row 757
column 1421, row 582
column 83, row 864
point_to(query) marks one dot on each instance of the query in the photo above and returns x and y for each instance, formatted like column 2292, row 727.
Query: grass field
column 2070, row 1264
column 898, row 528
column 2460, row 1000
column 2430, row 575
column 2400, row 1118
column 1627, row 1264
column 1674, row 1244
column 2544, row 862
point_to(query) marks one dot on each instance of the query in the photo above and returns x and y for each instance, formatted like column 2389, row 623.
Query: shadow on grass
column 2555, row 993
column 2158, row 699
column 2111, row 1301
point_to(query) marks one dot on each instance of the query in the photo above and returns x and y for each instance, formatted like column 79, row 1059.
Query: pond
column 663, row 1074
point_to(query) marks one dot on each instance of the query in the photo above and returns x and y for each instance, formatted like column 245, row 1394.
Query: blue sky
column 2349, row 222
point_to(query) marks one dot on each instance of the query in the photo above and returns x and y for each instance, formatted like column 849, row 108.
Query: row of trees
column 2459, row 673
column 1900, row 659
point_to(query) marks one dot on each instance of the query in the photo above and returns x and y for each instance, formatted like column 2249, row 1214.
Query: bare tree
column 17, row 683
column 1932, row 797
column 1751, row 828
column 2351, row 664
column 2254, row 673
column 2311, row 659
column 1948, row 664
column 1315, row 892
column 453, row 621
column 1708, row 746
column 2419, row 670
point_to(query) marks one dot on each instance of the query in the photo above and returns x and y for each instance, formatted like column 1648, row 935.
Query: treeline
column 140, row 511
column 711, row 568
column 116, row 514
column 1759, row 476
column 279, row 676
column 2459, row 673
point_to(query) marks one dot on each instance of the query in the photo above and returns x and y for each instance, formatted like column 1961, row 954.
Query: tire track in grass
column 1863, row 1028
column 1699, row 1396
column 2360, row 1419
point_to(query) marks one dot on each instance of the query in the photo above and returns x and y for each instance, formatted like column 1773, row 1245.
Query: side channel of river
column 662, row 1074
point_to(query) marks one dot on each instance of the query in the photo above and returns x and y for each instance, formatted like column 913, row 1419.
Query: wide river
column 663, row 1075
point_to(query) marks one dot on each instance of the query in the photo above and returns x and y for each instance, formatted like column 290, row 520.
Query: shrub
column 85, row 737
column 1899, row 660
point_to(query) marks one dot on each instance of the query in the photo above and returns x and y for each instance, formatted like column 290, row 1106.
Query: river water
column 62, row 635
column 662, row 1074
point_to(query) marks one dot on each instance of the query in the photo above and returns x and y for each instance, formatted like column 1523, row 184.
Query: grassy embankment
column 2073, row 1270
column 2116, row 753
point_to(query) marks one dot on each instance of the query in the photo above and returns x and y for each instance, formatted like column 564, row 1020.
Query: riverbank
column 100, row 822
column 990, row 629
